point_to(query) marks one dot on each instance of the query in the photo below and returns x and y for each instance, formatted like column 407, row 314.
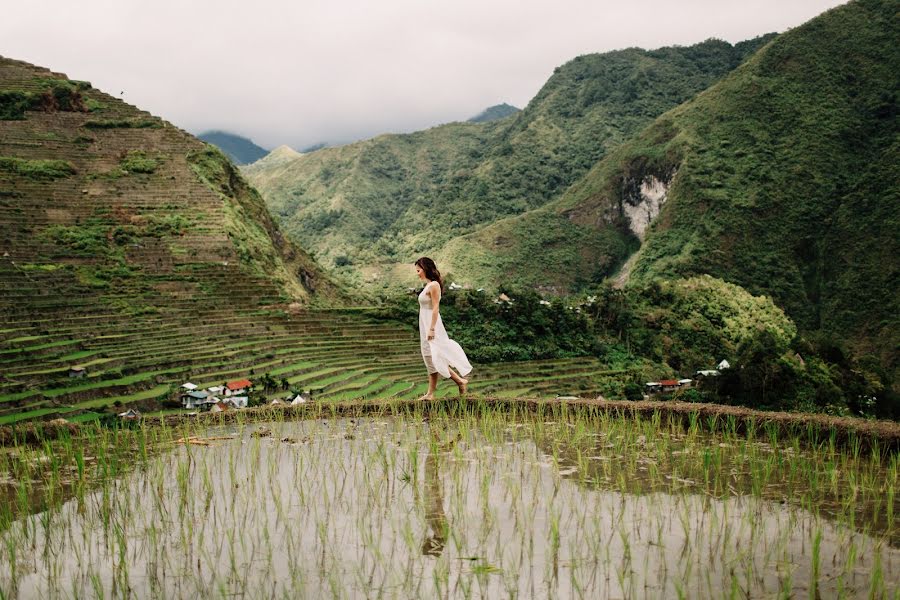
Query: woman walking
column 441, row 354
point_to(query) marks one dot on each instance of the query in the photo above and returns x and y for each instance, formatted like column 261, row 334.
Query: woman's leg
column 459, row 381
column 432, row 386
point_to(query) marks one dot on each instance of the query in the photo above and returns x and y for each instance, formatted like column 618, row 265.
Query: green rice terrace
column 135, row 258
column 452, row 499
column 335, row 354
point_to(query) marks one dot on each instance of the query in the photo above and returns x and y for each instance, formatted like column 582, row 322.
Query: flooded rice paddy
column 478, row 505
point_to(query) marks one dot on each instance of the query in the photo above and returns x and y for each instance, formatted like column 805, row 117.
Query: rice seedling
column 452, row 500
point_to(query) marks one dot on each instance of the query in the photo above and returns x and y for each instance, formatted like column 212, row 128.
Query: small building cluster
column 670, row 385
column 230, row 395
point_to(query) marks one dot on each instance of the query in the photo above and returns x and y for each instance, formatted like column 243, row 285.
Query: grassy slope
column 394, row 197
column 786, row 184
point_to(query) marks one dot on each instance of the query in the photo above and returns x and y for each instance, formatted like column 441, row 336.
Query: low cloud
column 304, row 72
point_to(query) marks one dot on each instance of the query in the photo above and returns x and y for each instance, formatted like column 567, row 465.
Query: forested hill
column 781, row 178
column 389, row 199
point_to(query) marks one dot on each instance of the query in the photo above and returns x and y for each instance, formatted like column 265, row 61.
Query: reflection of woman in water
column 433, row 545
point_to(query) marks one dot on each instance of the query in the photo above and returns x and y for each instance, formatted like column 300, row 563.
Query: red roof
column 668, row 382
column 238, row 385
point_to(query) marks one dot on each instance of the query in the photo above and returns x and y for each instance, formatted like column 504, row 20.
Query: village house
column 238, row 387
column 666, row 385
column 724, row 364
column 194, row 399
column 77, row 372
column 238, row 401
column 130, row 415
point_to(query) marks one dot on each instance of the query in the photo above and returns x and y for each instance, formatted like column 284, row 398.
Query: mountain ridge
column 375, row 205
column 777, row 178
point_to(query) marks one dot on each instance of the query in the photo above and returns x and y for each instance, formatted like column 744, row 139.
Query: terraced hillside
column 141, row 361
column 102, row 201
column 138, row 253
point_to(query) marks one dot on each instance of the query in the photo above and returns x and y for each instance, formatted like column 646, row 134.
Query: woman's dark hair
column 431, row 270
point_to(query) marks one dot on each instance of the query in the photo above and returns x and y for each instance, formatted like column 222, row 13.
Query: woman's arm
column 435, row 292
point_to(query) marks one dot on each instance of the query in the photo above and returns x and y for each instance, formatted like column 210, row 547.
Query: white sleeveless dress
column 441, row 353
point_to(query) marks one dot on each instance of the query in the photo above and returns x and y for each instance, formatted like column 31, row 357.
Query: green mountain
column 104, row 203
column 239, row 149
column 495, row 113
column 134, row 257
column 781, row 178
column 374, row 206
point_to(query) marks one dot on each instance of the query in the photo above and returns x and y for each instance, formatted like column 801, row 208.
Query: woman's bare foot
column 463, row 385
column 426, row 397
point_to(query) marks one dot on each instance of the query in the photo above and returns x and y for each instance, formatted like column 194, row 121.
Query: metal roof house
column 130, row 414
column 194, row 399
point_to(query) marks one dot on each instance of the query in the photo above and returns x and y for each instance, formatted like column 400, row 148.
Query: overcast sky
column 298, row 72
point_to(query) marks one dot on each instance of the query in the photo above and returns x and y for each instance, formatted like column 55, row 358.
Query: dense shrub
column 493, row 331
column 123, row 124
column 59, row 95
column 137, row 161
column 39, row 170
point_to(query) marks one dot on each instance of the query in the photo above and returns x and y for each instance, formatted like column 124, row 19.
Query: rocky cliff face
column 642, row 201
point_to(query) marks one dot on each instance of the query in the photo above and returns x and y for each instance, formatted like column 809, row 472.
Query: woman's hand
column 431, row 334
